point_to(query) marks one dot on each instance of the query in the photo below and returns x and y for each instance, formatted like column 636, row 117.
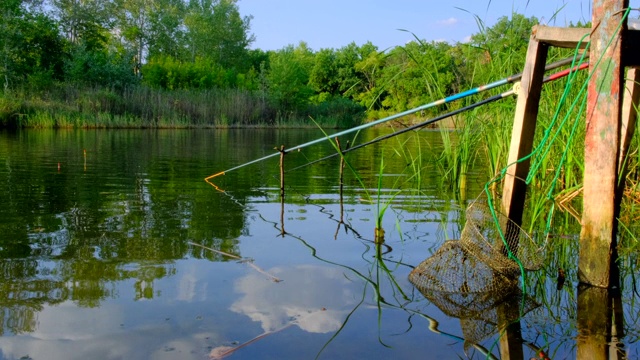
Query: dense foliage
column 76, row 63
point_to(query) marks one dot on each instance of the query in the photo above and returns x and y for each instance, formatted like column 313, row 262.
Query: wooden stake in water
column 282, row 153
column 341, row 186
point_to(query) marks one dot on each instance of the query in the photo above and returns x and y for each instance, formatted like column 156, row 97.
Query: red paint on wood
column 602, row 143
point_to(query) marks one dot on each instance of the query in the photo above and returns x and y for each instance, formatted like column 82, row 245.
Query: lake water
column 113, row 246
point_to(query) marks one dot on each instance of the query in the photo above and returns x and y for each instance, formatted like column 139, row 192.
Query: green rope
column 542, row 150
column 535, row 166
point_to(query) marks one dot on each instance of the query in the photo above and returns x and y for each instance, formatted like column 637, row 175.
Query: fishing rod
column 488, row 100
column 445, row 100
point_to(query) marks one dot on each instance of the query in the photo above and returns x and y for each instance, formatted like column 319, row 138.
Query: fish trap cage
column 473, row 277
column 480, row 261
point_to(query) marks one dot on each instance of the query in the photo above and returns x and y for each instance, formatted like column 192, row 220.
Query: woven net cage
column 491, row 239
column 474, row 278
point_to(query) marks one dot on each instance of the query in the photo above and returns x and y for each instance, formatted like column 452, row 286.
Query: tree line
column 189, row 62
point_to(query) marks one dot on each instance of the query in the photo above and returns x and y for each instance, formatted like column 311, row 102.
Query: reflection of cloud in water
column 66, row 331
column 188, row 285
column 301, row 297
column 62, row 322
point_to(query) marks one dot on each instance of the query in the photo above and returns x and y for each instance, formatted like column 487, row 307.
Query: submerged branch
column 243, row 260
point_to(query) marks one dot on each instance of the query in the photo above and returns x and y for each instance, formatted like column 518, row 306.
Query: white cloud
column 448, row 22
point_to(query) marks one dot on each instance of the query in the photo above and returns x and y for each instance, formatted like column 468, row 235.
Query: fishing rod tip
column 214, row 175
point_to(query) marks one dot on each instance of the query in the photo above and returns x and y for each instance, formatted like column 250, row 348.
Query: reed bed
column 67, row 106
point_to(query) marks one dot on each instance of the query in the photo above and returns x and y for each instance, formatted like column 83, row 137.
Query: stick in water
column 221, row 352
column 244, row 260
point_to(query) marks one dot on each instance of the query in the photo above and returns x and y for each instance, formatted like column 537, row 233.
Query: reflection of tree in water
column 22, row 294
column 27, row 285
column 125, row 211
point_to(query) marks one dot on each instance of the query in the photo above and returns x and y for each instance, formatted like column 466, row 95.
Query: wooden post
column 524, row 127
column 282, row 154
column 602, row 144
column 515, row 187
column 341, row 188
column 630, row 101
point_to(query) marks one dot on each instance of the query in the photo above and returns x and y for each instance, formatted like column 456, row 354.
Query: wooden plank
column 515, row 187
column 602, row 145
column 561, row 36
column 630, row 102
column 524, row 127
column 570, row 37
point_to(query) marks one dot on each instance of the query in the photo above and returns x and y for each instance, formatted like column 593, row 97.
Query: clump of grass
column 39, row 120
column 9, row 112
column 458, row 154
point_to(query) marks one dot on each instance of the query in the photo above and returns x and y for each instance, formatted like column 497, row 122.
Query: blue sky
column 336, row 23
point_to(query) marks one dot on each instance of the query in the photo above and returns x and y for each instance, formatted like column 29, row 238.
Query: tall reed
column 458, row 154
column 67, row 105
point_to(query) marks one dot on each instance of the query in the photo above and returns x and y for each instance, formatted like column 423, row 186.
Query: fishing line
column 448, row 99
column 491, row 99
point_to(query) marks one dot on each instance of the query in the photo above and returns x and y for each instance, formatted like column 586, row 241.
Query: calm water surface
column 113, row 247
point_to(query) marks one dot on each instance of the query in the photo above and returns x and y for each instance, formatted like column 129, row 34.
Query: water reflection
column 306, row 297
column 600, row 323
column 96, row 261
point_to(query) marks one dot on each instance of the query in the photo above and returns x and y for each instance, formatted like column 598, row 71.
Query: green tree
column 84, row 21
column 501, row 49
column 370, row 92
column 99, row 68
column 322, row 77
column 216, row 31
column 11, row 12
column 288, row 78
column 350, row 81
column 134, row 24
column 31, row 47
column 417, row 73
column 167, row 36
column 43, row 50
column 151, row 28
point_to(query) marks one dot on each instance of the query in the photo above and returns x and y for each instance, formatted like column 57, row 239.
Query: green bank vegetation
column 177, row 63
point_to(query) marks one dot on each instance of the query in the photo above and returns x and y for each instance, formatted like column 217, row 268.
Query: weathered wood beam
column 570, row 37
column 515, row 186
column 602, row 144
column 630, row 102
column 524, row 127
column 561, row 36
